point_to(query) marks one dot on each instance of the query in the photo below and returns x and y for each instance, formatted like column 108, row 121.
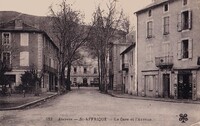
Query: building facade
column 128, row 70
column 115, row 72
column 24, row 47
column 86, row 73
column 168, row 49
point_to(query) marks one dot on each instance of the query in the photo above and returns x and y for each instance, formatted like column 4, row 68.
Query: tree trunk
column 99, row 70
column 68, row 86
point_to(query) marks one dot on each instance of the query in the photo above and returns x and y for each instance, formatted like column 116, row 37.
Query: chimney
column 18, row 24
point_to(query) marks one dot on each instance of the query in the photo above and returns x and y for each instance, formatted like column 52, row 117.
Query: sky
column 41, row 7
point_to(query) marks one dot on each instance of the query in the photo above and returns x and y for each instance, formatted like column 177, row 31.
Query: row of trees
column 71, row 33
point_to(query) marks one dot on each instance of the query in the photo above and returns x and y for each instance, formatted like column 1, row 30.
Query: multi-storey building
column 25, row 46
column 85, row 74
column 115, row 62
column 128, row 68
column 168, row 49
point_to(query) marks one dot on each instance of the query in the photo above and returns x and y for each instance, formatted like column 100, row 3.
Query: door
column 185, row 86
column 166, row 85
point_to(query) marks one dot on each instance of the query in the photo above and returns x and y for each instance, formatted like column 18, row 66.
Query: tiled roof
column 154, row 4
column 10, row 26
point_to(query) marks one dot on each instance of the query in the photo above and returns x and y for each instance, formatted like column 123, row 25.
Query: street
column 88, row 107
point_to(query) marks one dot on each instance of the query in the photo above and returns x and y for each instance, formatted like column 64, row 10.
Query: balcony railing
column 164, row 62
column 125, row 66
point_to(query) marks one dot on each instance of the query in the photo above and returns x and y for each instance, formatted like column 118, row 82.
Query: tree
column 71, row 33
column 107, row 24
column 31, row 79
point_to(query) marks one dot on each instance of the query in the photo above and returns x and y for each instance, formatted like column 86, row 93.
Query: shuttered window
column 184, row 20
column 149, row 29
column 185, row 49
column 24, row 39
column 24, row 58
column 166, row 25
column 149, row 81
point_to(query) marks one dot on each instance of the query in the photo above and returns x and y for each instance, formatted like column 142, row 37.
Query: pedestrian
column 9, row 91
column 24, row 92
column 78, row 85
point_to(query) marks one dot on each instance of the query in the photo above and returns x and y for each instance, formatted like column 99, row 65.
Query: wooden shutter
column 190, row 48
column 179, row 50
column 179, row 25
column 190, row 19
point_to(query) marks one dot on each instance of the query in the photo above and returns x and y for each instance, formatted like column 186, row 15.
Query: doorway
column 166, row 85
column 185, row 86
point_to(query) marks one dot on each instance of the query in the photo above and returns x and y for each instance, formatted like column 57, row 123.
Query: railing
column 125, row 66
column 166, row 61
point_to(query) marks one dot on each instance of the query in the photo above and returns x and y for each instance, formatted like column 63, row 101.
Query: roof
column 11, row 27
column 152, row 5
column 128, row 49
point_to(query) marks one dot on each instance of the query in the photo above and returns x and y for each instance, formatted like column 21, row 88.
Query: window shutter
column 179, row 50
column 179, row 25
column 190, row 19
column 190, row 48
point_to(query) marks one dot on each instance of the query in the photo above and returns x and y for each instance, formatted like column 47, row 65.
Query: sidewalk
column 17, row 101
column 127, row 96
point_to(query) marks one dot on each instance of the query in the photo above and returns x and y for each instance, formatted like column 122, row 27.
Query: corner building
column 25, row 46
column 168, row 49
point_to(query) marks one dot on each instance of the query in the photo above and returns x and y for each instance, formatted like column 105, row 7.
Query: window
column 166, row 25
column 6, row 57
column 149, row 81
column 95, row 70
column 149, row 13
column 85, row 70
column 24, row 39
column 185, row 49
column 6, row 38
column 149, row 29
column 75, row 80
column 185, row 20
column 75, row 70
column 185, row 2
column 166, row 7
column 24, row 58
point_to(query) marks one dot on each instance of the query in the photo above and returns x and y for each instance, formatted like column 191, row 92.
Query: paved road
column 88, row 107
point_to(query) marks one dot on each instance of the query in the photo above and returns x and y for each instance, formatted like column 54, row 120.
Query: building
column 115, row 62
column 24, row 47
column 85, row 71
column 128, row 68
column 168, row 49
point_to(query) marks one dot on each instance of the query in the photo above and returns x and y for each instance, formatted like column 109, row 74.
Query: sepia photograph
column 99, row 62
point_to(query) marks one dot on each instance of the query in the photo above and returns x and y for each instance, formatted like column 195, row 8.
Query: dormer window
column 149, row 13
column 166, row 7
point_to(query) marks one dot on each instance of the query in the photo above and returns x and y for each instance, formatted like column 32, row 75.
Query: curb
column 28, row 104
column 154, row 99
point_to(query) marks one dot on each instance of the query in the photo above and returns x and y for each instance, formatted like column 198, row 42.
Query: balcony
column 164, row 62
column 125, row 66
